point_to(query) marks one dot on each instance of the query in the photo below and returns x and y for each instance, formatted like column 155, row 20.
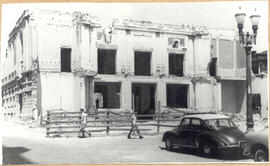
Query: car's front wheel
column 169, row 143
column 260, row 155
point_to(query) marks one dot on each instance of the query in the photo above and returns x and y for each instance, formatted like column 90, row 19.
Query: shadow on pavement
column 12, row 155
column 196, row 152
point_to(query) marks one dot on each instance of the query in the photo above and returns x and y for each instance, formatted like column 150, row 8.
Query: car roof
column 207, row 116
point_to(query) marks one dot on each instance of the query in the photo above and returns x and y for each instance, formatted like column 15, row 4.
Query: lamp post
column 248, row 40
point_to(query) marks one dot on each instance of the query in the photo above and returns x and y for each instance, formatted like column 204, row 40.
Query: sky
column 210, row 14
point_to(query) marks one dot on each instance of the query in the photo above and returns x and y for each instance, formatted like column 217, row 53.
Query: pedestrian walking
column 134, row 127
column 83, row 124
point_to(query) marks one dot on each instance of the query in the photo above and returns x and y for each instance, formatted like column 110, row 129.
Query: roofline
column 149, row 26
column 19, row 22
column 27, row 13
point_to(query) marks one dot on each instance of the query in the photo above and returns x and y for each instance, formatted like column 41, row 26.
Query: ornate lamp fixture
column 248, row 40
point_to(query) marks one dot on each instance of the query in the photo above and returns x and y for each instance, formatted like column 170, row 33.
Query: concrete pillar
column 195, row 55
column 89, row 92
column 192, row 96
column 161, row 93
column 76, row 106
column 91, row 96
column 126, row 95
column 218, row 96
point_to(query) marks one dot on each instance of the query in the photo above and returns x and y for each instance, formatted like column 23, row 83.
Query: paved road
column 96, row 150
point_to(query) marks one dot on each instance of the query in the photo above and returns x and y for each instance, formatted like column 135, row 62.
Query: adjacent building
column 260, row 83
column 70, row 61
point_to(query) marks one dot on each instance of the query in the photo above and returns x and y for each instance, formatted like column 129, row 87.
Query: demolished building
column 70, row 61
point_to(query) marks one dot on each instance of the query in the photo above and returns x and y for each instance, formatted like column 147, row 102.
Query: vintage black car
column 210, row 133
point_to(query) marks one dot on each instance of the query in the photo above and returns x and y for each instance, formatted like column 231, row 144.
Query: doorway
column 177, row 95
column 144, row 98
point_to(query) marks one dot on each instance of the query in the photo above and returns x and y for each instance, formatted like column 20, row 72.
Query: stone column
column 126, row 95
column 89, row 93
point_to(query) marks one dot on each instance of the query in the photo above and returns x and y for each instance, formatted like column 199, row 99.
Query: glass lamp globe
column 255, row 19
column 240, row 18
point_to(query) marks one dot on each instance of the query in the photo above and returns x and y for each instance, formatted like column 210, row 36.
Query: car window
column 185, row 123
column 225, row 123
column 196, row 123
column 219, row 123
column 212, row 124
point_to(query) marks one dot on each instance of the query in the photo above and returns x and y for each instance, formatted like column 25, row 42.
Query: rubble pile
column 240, row 120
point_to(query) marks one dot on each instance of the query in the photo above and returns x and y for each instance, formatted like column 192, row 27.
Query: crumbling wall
column 58, row 91
column 260, row 85
column 204, row 98
column 233, row 96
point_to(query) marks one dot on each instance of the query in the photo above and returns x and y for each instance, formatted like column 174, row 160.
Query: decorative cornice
column 106, row 46
column 149, row 26
column 84, row 72
column 181, row 50
column 85, row 18
column 201, row 79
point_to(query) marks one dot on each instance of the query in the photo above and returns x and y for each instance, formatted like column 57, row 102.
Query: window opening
column 177, row 95
column 143, row 63
column 107, row 94
column 176, row 64
column 65, row 59
column 106, row 61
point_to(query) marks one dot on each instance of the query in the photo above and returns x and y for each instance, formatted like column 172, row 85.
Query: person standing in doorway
column 97, row 107
column 97, row 103
column 134, row 127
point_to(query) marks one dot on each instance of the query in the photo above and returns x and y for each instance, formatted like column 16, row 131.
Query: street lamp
column 248, row 40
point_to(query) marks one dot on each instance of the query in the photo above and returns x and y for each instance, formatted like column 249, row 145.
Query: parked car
column 209, row 133
column 258, row 145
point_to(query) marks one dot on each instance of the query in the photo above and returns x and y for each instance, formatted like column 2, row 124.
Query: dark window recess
column 157, row 34
column 106, row 61
column 143, row 63
column 21, row 39
column 255, row 67
column 176, row 64
column 177, row 95
column 14, row 54
column 212, row 67
column 127, row 31
column 256, row 103
column 65, row 59
column 259, row 66
column 110, row 92
column 144, row 99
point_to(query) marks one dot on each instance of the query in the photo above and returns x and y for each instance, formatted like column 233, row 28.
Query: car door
column 196, row 126
column 182, row 132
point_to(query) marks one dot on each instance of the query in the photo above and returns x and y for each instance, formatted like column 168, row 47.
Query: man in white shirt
column 83, row 124
column 134, row 127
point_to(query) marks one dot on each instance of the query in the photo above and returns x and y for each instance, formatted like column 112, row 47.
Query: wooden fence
column 63, row 122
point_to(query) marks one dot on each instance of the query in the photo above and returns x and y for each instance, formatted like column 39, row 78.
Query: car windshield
column 219, row 123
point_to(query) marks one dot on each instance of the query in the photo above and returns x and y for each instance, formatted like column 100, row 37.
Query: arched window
column 21, row 40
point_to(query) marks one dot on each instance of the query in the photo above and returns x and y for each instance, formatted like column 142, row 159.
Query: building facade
column 260, row 82
column 70, row 61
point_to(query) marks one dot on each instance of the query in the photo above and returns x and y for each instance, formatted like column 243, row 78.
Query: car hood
column 232, row 135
